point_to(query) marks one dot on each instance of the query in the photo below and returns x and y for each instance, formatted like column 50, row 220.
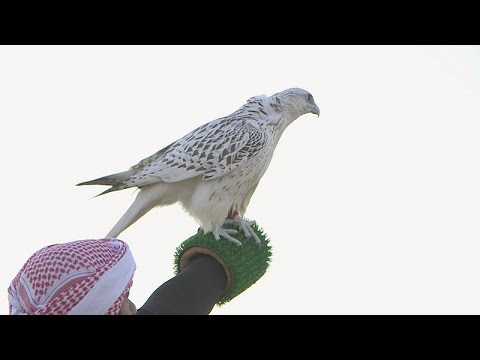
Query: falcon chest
column 235, row 185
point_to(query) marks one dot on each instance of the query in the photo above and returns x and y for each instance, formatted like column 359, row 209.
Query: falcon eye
column 310, row 97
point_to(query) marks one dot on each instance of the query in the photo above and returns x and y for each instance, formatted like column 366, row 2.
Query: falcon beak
column 316, row 110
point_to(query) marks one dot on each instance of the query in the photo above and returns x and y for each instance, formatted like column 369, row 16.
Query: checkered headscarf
column 76, row 278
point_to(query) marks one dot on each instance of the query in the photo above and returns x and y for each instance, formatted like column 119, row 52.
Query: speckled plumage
column 213, row 170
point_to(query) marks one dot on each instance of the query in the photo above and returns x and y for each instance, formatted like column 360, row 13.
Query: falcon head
column 296, row 101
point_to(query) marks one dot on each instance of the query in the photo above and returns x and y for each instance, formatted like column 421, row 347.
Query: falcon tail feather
column 112, row 180
column 116, row 181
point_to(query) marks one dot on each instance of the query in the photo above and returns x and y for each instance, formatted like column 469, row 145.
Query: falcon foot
column 245, row 226
column 225, row 233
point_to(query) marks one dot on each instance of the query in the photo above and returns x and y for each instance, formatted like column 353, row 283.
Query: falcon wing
column 211, row 151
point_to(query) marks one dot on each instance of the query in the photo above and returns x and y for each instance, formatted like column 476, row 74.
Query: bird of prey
column 214, row 170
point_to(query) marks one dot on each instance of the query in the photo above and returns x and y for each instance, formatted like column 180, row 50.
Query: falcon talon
column 221, row 232
column 231, row 239
column 246, row 228
column 254, row 235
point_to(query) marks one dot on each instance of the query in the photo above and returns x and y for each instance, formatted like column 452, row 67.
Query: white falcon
column 213, row 171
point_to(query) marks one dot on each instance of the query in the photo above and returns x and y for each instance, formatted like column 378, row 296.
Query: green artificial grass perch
column 244, row 265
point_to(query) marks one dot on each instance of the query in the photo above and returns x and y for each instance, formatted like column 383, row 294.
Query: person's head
column 84, row 277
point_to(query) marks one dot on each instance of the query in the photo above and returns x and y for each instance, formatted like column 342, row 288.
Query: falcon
column 214, row 170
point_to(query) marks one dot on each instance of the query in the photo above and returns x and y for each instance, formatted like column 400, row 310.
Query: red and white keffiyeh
column 84, row 277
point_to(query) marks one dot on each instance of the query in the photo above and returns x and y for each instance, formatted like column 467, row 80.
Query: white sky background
column 372, row 208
